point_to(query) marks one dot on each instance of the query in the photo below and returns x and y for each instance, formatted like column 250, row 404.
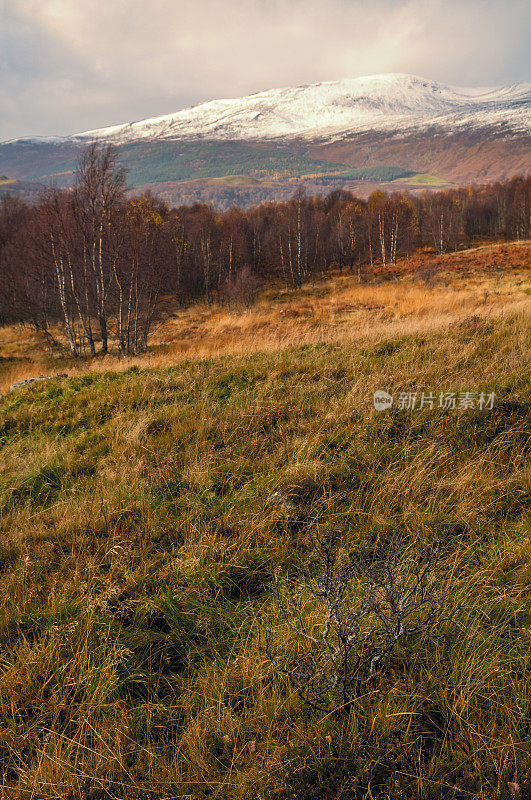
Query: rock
column 282, row 499
column 294, row 495
column 31, row 381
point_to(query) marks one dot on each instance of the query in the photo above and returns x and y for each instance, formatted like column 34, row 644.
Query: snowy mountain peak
column 387, row 102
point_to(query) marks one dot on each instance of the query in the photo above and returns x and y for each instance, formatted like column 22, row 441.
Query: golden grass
column 138, row 544
column 427, row 293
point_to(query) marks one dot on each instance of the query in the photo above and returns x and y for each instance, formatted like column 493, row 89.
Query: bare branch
column 367, row 608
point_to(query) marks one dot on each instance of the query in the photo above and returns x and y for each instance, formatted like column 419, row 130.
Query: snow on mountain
column 330, row 110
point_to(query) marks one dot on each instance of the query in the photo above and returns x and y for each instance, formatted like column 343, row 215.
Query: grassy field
column 139, row 543
column 423, row 179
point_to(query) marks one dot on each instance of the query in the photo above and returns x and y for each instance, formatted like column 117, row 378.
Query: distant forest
column 102, row 268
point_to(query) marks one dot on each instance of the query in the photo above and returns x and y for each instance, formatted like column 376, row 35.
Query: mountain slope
column 377, row 102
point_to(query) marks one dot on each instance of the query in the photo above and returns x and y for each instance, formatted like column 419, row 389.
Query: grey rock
column 29, row 382
column 282, row 499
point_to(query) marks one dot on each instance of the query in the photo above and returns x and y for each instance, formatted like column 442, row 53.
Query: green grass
column 138, row 548
column 236, row 180
column 423, row 178
column 380, row 172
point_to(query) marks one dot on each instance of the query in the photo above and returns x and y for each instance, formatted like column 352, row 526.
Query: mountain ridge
column 331, row 108
column 334, row 107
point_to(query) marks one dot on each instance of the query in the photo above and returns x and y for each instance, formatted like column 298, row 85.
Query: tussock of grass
column 139, row 543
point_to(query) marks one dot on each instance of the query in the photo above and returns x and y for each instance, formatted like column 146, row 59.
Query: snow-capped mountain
column 355, row 134
column 324, row 110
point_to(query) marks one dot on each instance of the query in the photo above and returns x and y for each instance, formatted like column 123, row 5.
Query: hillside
column 333, row 109
column 351, row 134
column 146, row 504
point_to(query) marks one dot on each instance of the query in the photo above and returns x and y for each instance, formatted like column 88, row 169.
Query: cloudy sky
column 71, row 65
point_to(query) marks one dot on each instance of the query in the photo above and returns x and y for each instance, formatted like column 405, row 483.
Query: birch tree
column 100, row 187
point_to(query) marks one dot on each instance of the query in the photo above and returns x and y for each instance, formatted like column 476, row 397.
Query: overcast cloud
column 72, row 65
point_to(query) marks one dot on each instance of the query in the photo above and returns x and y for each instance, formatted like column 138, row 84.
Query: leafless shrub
column 352, row 612
column 428, row 273
column 241, row 289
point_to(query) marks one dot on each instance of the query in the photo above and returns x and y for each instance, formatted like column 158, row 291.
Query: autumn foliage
column 103, row 268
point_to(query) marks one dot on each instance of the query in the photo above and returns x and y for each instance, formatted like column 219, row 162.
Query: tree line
column 104, row 268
